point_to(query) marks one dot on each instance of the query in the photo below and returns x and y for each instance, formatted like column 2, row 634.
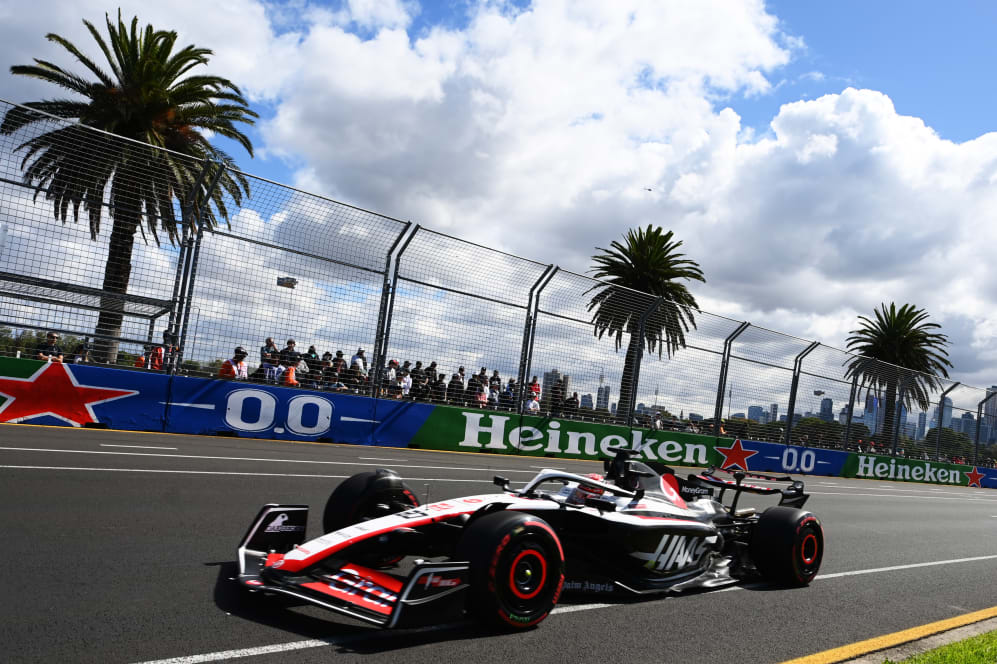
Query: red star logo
column 975, row 477
column 735, row 455
column 53, row 391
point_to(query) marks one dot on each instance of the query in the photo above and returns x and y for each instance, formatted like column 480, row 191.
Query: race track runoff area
column 119, row 547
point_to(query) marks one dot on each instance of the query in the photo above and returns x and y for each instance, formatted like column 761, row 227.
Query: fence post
column 850, row 409
column 382, row 352
column 979, row 421
column 722, row 381
column 635, row 377
column 382, row 312
column 941, row 416
column 529, row 337
column 183, row 267
column 194, row 253
column 797, row 367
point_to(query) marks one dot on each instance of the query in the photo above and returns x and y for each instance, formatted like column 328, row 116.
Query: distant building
column 755, row 413
column 612, row 408
column 586, row 401
column 946, row 418
column 695, row 417
column 551, row 377
column 827, row 409
column 969, row 425
column 909, row 429
column 774, row 413
column 922, row 420
column 738, row 416
column 602, row 398
column 990, row 412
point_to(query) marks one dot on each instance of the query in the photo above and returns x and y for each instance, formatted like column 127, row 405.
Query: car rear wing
column 791, row 496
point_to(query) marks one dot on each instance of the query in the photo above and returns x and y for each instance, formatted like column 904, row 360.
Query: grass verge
column 980, row 649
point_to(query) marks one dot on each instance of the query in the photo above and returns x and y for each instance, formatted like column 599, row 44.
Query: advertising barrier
column 84, row 395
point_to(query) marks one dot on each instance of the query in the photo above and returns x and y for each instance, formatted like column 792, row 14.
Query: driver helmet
column 583, row 491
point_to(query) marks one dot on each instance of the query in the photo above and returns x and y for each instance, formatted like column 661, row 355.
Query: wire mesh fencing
column 144, row 258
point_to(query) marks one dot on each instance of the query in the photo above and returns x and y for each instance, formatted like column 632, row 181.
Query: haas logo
column 277, row 525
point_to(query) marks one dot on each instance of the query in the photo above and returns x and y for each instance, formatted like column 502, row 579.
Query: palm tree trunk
column 117, row 272
column 626, row 404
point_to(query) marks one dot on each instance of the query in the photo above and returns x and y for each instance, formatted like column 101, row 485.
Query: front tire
column 787, row 546
column 517, row 569
column 367, row 496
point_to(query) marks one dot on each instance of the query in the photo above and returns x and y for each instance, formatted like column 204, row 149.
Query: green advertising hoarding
column 461, row 430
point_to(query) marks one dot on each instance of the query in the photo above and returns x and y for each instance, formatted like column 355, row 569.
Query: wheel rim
column 809, row 549
column 527, row 574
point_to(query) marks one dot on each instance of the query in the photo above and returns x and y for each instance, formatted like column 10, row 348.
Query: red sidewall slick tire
column 788, row 546
column 517, row 569
column 366, row 496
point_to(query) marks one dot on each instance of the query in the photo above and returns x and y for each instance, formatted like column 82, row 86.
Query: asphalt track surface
column 118, row 547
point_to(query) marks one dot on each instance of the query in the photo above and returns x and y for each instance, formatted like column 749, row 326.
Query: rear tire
column 517, row 569
column 367, row 496
column 787, row 546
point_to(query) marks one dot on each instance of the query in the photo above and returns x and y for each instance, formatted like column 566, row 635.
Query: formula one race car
column 507, row 557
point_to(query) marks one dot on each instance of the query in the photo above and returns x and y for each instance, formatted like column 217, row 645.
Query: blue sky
column 933, row 59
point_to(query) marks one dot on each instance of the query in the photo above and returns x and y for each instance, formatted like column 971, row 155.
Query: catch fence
column 213, row 266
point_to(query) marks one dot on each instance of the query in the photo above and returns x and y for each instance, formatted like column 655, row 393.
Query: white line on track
column 376, row 459
column 220, row 472
column 141, row 447
column 226, row 458
column 318, row 643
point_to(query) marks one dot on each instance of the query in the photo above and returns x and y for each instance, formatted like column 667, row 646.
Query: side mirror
column 501, row 482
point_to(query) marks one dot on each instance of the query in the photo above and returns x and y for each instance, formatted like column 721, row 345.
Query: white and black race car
column 507, row 557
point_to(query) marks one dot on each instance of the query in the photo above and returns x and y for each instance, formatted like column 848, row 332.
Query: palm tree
column 151, row 97
column 899, row 337
column 648, row 262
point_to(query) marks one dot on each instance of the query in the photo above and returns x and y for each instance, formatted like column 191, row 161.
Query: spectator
column 495, row 381
column 571, row 405
column 532, row 405
column 420, row 388
column 483, row 377
column 493, row 397
column 395, row 386
column 140, row 360
column 534, row 389
column 439, row 387
column 471, row 390
column 339, row 364
column 433, row 373
column 390, row 375
column 289, row 359
column 328, row 374
column 455, row 390
column 314, row 364
column 508, row 396
column 82, row 354
column 406, row 381
column 463, row 378
column 359, row 362
column 288, row 356
column 155, row 357
column 235, row 368
column 481, row 394
column 269, row 360
column 49, row 350
column 417, row 373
